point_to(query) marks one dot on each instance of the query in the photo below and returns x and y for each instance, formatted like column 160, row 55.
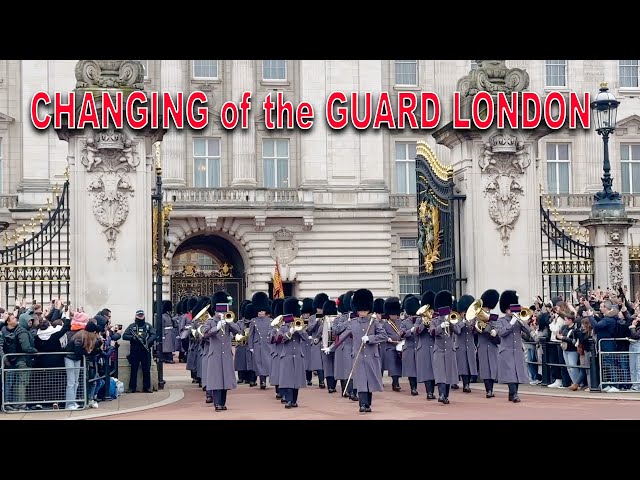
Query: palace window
column 558, row 166
column 630, row 167
column 275, row 161
column 555, row 73
column 408, row 243
column 205, row 69
column 407, row 72
column 406, row 167
column 206, row 162
column 628, row 73
column 408, row 284
column 274, row 70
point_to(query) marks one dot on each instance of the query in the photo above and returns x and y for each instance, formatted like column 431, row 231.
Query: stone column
column 174, row 148
column 244, row 140
column 313, row 143
column 111, row 180
column 610, row 240
column 35, row 182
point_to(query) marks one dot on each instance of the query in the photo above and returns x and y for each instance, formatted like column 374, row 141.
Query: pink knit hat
column 80, row 320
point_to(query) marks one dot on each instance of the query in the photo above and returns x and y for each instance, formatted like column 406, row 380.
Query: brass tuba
column 482, row 318
column 277, row 322
column 426, row 313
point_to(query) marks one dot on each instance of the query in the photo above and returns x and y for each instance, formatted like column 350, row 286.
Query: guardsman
column 343, row 359
column 391, row 352
column 168, row 332
column 259, row 343
column 314, row 329
column 367, row 333
column 292, row 336
column 306, row 310
column 510, row 328
column 466, row 353
column 411, row 304
column 329, row 309
column 249, row 314
column 241, row 356
column 177, row 346
column 443, row 329
column 276, row 309
column 185, row 334
column 220, row 377
column 488, row 342
column 378, row 308
column 424, row 347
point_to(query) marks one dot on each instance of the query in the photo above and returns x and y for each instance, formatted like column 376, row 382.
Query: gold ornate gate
column 193, row 282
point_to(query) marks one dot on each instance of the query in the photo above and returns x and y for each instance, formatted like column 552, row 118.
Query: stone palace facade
column 336, row 208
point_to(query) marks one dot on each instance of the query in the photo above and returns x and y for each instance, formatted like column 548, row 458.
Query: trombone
column 426, row 313
column 452, row 318
column 524, row 315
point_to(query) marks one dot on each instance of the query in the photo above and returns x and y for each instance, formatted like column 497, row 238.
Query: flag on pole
column 278, row 288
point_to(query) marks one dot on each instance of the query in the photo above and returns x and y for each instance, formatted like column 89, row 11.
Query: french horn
column 426, row 313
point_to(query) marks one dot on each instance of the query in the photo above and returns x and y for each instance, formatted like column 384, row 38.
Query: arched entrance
column 204, row 264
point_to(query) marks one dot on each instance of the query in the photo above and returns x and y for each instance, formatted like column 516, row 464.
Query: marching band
column 436, row 339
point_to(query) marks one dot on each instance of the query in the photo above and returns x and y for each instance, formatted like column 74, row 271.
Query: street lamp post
column 157, row 198
column 604, row 109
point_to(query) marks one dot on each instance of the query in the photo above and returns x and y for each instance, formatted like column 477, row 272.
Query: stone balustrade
column 239, row 197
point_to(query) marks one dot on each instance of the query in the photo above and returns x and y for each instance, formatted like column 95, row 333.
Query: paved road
column 245, row 403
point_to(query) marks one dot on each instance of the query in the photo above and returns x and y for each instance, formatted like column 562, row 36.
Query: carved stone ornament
column 614, row 236
column 493, row 76
column 283, row 246
column 615, row 268
column 127, row 74
column 109, row 156
column 504, row 160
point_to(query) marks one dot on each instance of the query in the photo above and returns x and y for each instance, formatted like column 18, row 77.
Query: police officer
column 141, row 336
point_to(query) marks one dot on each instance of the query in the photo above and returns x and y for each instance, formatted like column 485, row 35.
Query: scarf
column 47, row 332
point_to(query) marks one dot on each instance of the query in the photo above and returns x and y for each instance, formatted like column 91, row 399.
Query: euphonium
column 482, row 318
column 426, row 313
column 277, row 322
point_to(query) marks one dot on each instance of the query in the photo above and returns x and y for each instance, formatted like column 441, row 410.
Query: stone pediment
column 4, row 118
column 628, row 126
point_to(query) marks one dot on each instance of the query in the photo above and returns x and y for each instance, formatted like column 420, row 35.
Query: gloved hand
column 413, row 329
column 365, row 339
column 327, row 350
column 493, row 332
column 238, row 337
column 444, row 324
column 251, row 350
column 291, row 330
column 513, row 320
column 219, row 325
column 223, row 321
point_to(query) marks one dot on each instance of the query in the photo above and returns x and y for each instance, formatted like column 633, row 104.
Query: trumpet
column 482, row 318
column 298, row 324
column 229, row 316
column 426, row 313
column 452, row 318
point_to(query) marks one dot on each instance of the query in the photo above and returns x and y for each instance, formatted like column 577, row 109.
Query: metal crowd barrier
column 616, row 367
column 38, row 388
column 546, row 365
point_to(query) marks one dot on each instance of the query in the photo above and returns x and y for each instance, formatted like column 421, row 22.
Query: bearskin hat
column 362, row 300
column 508, row 297
column 392, row 306
column 202, row 303
column 444, row 298
column 179, row 307
column 464, row 302
column 329, row 308
column 378, row 305
column 277, row 306
column 307, row 306
column 261, row 302
column 191, row 304
column 167, row 306
column 243, row 305
column 319, row 300
column 291, row 306
column 346, row 300
column 221, row 297
column 428, row 298
column 340, row 304
column 411, row 305
column 250, row 311
column 490, row 298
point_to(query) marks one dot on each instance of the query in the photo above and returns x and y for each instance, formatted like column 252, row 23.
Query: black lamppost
column 604, row 109
column 157, row 198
